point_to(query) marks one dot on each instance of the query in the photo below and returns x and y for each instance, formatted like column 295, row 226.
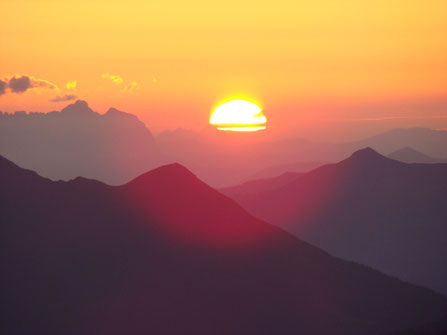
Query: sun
column 238, row 115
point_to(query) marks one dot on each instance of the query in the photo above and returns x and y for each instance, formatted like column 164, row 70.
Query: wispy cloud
column 114, row 78
column 131, row 86
column 385, row 118
column 380, row 118
column 71, row 85
column 66, row 97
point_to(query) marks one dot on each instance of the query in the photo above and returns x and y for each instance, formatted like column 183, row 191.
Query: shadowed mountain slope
column 368, row 208
column 434, row 328
column 166, row 254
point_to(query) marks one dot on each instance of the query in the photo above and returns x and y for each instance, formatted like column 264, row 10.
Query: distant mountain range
column 409, row 155
column 167, row 254
column 277, row 170
column 428, row 141
column 368, row 208
column 114, row 147
column 229, row 159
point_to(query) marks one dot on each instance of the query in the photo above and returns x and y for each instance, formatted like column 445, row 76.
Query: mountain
column 113, row 147
column 261, row 185
column 409, row 155
column 429, row 141
column 225, row 159
column 277, row 170
column 218, row 158
column 167, row 254
column 368, row 208
column 434, row 328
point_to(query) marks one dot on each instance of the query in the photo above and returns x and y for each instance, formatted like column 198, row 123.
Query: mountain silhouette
column 77, row 109
column 222, row 159
column 429, row 141
column 113, row 147
column 167, row 254
column 409, row 155
column 277, row 170
column 262, row 185
column 438, row 327
column 368, row 208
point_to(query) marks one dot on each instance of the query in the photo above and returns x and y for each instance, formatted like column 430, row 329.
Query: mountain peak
column 173, row 168
column 113, row 112
column 407, row 149
column 368, row 157
column 174, row 172
column 366, row 153
column 80, row 107
column 410, row 155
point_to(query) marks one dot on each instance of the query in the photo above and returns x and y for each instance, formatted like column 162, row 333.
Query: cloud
column 66, row 97
column 116, row 79
column 19, row 84
column 132, row 85
column 3, row 86
column 35, row 82
column 71, row 85
column 22, row 83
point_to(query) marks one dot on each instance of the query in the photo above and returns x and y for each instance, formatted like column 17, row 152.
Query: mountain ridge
column 367, row 208
column 409, row 155
column 113, row 147
column 113, row 256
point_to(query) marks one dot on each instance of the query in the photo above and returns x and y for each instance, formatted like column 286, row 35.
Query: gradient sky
column 318, row 68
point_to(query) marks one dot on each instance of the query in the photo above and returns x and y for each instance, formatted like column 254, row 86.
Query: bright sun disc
column 238, row 115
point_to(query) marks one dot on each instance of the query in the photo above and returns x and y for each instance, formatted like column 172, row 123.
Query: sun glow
column 238, row 115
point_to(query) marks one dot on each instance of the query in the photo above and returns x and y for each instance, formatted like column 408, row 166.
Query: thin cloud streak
column 384, row 118
column 117, row 80
column 66, row 97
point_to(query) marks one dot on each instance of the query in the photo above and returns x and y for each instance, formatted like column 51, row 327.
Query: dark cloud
column 21, row 83
column 3, row 85
column 66, row 97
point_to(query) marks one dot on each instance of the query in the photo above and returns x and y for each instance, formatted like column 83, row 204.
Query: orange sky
column 343, row 67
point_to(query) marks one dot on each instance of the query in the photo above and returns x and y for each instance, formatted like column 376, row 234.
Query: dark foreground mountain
column 166, row 254
column 438, row 327
column 114, row 147
column 376, row 211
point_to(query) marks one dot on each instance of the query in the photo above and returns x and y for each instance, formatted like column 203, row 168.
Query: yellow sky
column 304, row 60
